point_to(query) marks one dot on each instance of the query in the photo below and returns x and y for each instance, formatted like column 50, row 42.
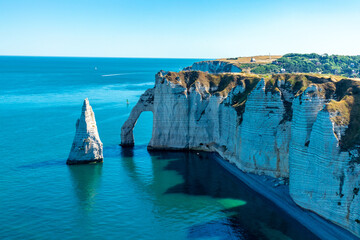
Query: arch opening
column 145, row 104
column 143, row 128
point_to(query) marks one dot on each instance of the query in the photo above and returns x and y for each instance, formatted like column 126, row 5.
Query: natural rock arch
column 145, row 103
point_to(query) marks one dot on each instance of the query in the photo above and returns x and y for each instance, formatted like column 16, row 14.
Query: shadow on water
column 129, row 161
column 42, row 164
column 248, row 215
column 244, row 214
column 223, row 229
column 127, row 152
column 86, row 180
column 124, row 152
column 127, row 156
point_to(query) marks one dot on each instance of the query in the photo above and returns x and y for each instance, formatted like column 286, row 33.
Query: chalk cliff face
column 213, row 67
column 87, row 146
column 288, row 125
column 324, row 177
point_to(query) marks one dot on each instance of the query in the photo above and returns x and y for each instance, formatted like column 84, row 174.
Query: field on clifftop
column 348, row 66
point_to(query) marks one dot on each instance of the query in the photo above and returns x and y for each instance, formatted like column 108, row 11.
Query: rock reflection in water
column 85, row 181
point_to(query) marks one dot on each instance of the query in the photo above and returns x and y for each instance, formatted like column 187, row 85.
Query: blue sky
column 184, row 29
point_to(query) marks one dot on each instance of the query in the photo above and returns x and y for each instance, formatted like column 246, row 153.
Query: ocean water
column 134, row 194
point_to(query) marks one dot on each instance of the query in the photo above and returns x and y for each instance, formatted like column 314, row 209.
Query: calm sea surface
column 133, row 194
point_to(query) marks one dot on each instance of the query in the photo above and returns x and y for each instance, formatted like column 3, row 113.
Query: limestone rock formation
column 213, row 67
column 298, row 126
column 145, row 103
column 87, row 146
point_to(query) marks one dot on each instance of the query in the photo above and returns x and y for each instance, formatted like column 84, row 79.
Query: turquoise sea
column 134, row 194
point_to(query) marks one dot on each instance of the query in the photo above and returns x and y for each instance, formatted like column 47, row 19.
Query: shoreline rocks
column 87, row 147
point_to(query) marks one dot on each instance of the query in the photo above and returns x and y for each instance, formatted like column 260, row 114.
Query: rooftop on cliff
column 262, row 59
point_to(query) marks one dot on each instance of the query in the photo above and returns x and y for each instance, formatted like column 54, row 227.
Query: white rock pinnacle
column 87, row 146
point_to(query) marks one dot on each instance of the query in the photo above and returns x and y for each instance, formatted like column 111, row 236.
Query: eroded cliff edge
column 302, row 126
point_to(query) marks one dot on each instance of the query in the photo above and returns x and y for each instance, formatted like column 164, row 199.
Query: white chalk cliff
column 87, row 146
column 213, row 66
column 296, row 126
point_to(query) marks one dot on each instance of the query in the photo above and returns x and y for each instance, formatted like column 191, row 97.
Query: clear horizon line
column 105, row 57
column 207, row 58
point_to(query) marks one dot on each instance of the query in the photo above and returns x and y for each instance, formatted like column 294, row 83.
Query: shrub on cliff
column 348, row 66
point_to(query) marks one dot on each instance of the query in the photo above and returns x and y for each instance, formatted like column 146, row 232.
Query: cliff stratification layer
column 303, row 127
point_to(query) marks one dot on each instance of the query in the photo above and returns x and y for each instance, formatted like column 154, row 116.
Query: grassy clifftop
column 348, row 66
column 221, row 84
column 346, row 110
column 240, row 61
column 342, row 94
column 218, row 84
column 215, row 84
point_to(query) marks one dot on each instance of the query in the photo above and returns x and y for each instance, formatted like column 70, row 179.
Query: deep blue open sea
column 134, row 194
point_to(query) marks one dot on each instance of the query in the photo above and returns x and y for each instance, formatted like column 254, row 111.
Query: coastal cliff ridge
column 298, row 126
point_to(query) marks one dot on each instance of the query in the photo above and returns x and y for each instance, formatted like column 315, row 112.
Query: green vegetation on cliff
column 348, row 66
column 218, row 84
column 215, row 84
column 345, row 109
column 341, row 94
